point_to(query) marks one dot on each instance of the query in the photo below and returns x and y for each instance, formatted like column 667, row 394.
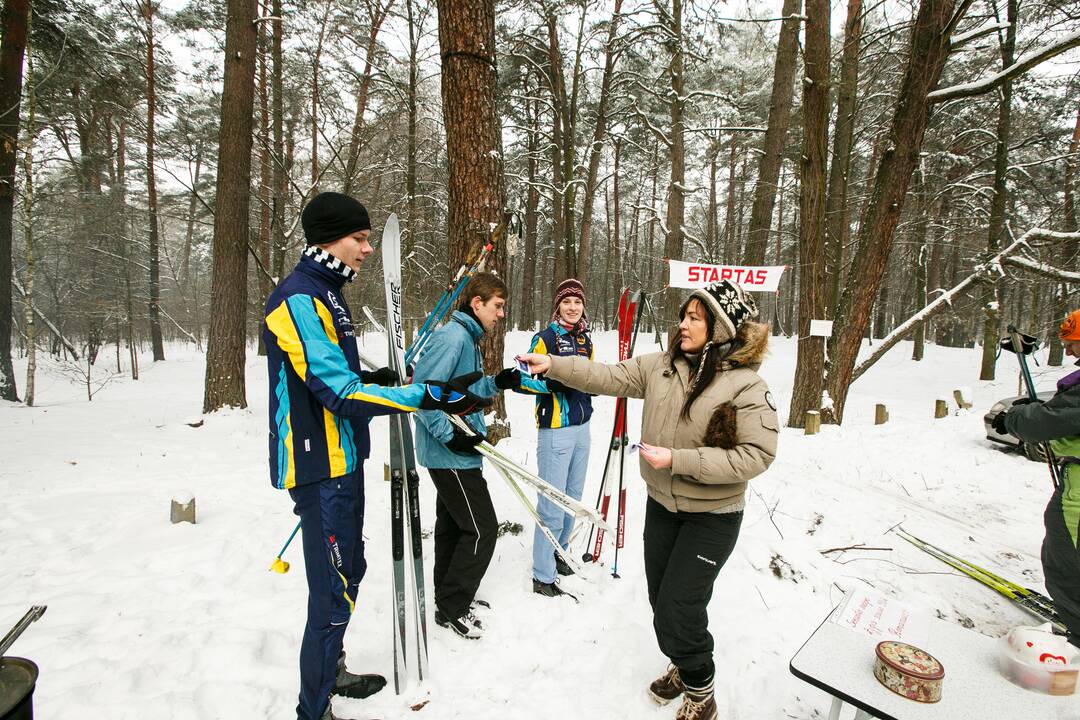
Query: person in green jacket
column 1057, row 421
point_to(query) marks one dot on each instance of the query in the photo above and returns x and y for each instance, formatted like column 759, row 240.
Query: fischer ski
column 1027, row 599
column 404, row 480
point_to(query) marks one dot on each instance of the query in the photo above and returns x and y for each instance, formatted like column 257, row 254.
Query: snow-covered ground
column 152, row 620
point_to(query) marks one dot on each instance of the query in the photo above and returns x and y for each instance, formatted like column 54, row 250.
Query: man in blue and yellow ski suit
column 320, row 405
column 1057, row 421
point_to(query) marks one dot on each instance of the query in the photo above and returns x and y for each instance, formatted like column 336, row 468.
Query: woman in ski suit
column 708, row 426
column 562, row 419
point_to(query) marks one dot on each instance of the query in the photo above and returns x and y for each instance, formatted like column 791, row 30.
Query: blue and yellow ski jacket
column 562, row 406
column 319, row 405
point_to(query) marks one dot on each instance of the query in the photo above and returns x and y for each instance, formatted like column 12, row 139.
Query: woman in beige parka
column 708, row 426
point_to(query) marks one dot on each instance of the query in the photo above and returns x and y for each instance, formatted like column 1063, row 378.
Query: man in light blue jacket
column 465, row 522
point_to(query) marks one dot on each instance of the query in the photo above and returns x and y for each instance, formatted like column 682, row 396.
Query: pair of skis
column 1027, row 599
column 628, row 327
column 404, row 480
column 513, row 474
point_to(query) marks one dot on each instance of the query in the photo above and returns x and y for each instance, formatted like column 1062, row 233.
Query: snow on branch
column 979, row 87
column 958, row 40
column 978, row 273
column 1044, row 269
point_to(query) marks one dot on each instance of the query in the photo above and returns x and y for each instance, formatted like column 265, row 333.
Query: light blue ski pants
column 563, row 459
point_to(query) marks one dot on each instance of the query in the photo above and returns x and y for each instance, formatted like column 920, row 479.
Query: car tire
column 1033, row 452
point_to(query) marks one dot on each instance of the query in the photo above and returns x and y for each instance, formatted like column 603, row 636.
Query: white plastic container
column 1052, row 679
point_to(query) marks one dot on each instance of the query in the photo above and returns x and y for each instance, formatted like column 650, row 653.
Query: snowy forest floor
column 152, row 620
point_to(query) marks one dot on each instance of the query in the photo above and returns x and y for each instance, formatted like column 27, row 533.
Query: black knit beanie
column 331, row 216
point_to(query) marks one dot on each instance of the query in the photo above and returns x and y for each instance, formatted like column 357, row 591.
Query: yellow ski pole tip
column 279, row 566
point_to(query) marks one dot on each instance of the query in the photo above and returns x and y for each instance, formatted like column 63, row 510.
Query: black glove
column 508, row 379
column 383, row 376
column 463, row 443
column 998, row 423
column 453, row 396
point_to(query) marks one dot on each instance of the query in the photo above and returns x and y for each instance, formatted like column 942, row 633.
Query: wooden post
column 881, row 415
column 183, row 510
column 961, row 401
column 941, row 409
column 813, row 422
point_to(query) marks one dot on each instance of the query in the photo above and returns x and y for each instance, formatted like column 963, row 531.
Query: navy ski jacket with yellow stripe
column 562, row 406
column 319, row 404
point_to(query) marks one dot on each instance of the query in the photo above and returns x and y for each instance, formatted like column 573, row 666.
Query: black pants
column 1061, row 565
column 683, row 555
column 465, row 533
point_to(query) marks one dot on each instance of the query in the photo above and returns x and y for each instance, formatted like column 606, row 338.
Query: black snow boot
column 561, row 567
column 350, row 685
column 550, row 590
column 467, row 626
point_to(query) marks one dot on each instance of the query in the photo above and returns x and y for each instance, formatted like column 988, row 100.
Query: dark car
column 1032, row 451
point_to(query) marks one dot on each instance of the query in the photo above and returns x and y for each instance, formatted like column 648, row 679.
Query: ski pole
column 279, row 565
column 1021, row 345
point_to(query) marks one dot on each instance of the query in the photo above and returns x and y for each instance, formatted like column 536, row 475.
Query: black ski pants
column 1061, row 565
column 465, row 533
column 684, row 552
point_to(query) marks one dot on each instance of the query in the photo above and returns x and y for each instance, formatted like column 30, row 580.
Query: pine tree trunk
column 154, row 309
column 281, row 161
column 921, row 250
column 836, row 201
column 676, row 207
column 810, row 362
column 783, row 91
column 13, row 20
column 527, row 315
column 364, row 90
column 228, row 294
column 997, row 235
column 926, row 59
column 263, row 243
column 474, row 148
column 1067, row 257
column 28, row 219
column 596, row 148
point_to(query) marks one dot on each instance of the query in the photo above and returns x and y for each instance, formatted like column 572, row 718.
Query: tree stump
column 962, row 402
column 881, row 415
column 941, row 409
column 182, row 510
column 813, row 422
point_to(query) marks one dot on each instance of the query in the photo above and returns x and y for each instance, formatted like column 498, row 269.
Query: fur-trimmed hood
column 751, row 347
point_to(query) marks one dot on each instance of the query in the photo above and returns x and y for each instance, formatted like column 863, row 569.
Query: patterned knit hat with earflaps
column 570, row 287
column 1070, row 329
column 729, row 305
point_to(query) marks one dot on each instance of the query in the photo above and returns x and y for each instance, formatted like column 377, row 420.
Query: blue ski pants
column 332, row 522
column 562, row 457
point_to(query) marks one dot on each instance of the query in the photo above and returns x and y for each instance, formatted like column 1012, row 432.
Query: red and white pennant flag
column 699, row 275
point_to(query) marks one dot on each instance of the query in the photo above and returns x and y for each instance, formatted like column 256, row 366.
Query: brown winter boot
column 667, row 687
column 698, row 704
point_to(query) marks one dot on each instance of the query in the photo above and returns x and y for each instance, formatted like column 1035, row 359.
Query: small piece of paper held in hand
column 647, row 449
column 523, row 366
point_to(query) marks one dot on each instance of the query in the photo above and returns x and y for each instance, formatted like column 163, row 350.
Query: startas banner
column 699, row 275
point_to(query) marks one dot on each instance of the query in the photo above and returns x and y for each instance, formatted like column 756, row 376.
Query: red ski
column 628, row 319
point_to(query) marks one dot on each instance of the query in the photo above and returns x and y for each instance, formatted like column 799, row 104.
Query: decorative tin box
column 909, row 671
